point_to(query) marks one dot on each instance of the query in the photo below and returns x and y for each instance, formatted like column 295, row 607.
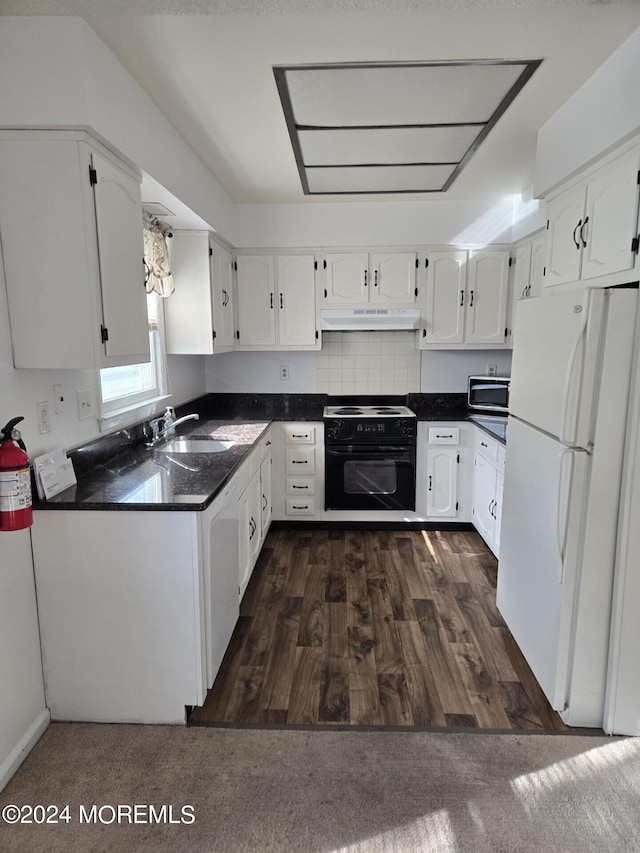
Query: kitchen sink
column 196, row 445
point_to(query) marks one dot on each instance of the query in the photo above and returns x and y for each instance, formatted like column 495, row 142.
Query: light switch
column 85, row 405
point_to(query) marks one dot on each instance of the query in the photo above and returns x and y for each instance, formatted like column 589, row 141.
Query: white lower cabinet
column 123, row 627
column 254, row 508
column 299, row 470
column 488, row 482
column 443, row 486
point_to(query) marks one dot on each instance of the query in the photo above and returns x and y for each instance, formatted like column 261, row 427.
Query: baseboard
column 23, row 747
column 371, row 525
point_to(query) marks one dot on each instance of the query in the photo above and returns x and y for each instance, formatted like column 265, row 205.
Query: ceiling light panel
column 391, row 145
column 364, row 121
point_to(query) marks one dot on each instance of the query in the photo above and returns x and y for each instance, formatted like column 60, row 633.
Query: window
column 133, row 385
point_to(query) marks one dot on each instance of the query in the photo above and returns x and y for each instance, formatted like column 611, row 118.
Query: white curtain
column 158, row 278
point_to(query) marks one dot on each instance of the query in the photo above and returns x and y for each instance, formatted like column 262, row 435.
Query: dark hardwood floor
column 375, row 628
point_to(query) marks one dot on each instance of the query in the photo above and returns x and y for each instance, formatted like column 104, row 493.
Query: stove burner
column 385, row 410
column 349, row 410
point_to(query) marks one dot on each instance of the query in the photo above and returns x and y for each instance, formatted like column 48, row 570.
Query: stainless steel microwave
column 489, row 393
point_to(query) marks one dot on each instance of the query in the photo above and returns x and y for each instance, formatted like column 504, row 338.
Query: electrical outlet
column 85, row 405
column 58, row 399
column 284, row 371
column 43, row 417
column 492, row 370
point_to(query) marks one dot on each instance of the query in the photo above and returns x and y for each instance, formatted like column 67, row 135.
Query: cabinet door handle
column 461, row 298
column 366, row 274
column 271, row 300
column 471, row 300
column 375, row 278
column 430, row 483
column 281, row 303
column 495, row 507
column 264, row 505
column 268, row 444
column 491, row 508
column 582, row 238
column 483, row 444
column 575, row 231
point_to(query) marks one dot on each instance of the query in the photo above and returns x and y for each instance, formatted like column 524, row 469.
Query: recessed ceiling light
column 393, row 127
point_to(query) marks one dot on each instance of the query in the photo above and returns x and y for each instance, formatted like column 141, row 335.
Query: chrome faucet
column 157, row 433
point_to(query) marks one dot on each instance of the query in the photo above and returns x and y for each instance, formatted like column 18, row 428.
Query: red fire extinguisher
column 15, row 480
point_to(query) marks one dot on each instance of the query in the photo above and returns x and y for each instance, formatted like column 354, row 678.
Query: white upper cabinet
column 199, row 313
column 296, row 301
column 444, row 303
column 488, row 288
column 357, row 278
column 465, row 304
column 277, row 302
column 71, row 230
column 592, row 226
column 256, row 300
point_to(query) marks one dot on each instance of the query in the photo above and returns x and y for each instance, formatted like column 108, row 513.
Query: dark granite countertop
column 137, row 477
column 119, row 472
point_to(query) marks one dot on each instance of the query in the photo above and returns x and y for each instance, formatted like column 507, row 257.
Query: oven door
column 379, row 478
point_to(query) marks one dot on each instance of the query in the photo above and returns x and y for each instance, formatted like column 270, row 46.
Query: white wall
column 445, row 371
column 23, row 715
column 473, row 223
column 56, row 72
column 604, row 112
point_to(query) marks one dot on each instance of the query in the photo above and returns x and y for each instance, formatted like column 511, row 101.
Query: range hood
column 368, row 319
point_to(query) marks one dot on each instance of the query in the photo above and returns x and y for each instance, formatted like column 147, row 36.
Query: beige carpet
column 279, row 790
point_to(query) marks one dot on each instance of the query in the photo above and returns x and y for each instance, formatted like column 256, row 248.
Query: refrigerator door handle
column 569, row 376
column 562, row 508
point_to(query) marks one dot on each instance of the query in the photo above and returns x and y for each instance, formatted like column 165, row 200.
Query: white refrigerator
column 570, row 387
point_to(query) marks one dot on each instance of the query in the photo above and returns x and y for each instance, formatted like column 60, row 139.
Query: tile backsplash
column 368, row 363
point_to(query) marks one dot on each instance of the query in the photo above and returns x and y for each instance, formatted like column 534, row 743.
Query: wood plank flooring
column 375, row 628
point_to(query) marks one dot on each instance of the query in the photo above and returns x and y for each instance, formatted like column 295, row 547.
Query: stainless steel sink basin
column 196, row 445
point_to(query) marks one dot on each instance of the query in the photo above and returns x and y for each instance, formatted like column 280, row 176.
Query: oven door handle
column 375, row 452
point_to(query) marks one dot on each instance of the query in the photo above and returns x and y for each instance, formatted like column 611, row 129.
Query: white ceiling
column 207, row 64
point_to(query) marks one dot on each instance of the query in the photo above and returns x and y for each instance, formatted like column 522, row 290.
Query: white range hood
column 367, row 319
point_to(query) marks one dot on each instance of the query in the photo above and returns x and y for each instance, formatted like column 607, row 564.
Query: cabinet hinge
column 238, row 334
column 510, row 262
column 457, row 506
column 317, row 334
column 325, row 293
column 547, row 224
column 458, row 458
column 104, row 334
column 315, row 265
column 417, row 263
column 215, row 334
column 426, row 262
column 635, row 244
column 544, row 271
column 324, row 264
column 416, row 291
column 235, row 266
column 210, row 252
column 506, row 332
column 638, row 179
column 93, row 176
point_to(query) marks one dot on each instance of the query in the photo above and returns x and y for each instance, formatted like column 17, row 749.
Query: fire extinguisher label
column 15, row 490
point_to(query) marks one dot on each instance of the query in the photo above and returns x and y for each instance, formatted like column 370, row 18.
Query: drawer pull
column 306, row 506
column 303, row 435
column 299, row 487
column 483, row 444
column 444, row 436
column 299, row 461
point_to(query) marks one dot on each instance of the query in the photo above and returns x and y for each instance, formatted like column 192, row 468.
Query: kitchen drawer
column 486, row 447
column 301, row 461
column 444, row 435
column 299, row 434
column 301, row 506
column 301, row 486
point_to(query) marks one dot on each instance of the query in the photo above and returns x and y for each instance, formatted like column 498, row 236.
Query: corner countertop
column 143, row 478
